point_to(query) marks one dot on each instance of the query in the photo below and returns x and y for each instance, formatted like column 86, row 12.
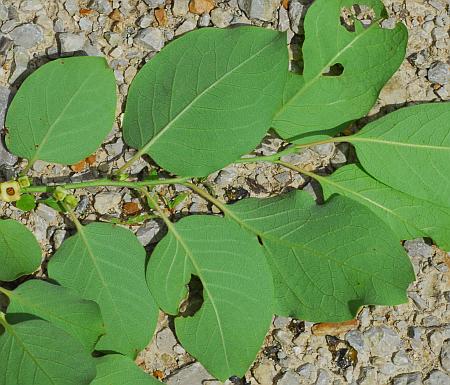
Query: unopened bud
column 71, row 201
column 59, row 194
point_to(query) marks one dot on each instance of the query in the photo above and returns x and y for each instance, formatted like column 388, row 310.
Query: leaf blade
column 313, row 101
column 407, row 216
column 236, row 310
column 35, row 352
column 21, row 253
column 60, row 306
column 412, row 141
column 115, row 369
column 92, row 263
column 48, row 122
column 311, row 282
column 226, row 80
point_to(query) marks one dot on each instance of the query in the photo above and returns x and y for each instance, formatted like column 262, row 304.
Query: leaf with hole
column 209, row 97
column 60, row 306
column 105, row 263
column 407, row 216
column 115, row 369
column 369, row 56
column 327, row 260
column 20, row 251
column 227, row 331
column 63, row 111
column 409, row 150
column 35, row 352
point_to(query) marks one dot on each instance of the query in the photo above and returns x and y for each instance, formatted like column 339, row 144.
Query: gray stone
column 165, row 341
column 418, row 300
column 71, row 42
column 355, row 339
column 445, row 356
column 226, row 176
column 106, row 201
column 39, row 227
column 323, row 377
column 408, row 379
column 145, row 21
column 307, row 372
column 150, row 38
column 154, row 3
column 280, row 322
column 259, row 9
column 30, row 5
column 21, row 60
column 85, row 24
column 221, row 18
column 193, row 374
column 189, row 24
column 289, row 378
column 382, row 340
column 180, row 8
column 114, row 149
column 27, row 35
column 71, row 7
column 204, row 20
column 113, row 38
column 101, row 6
column 436, row 377
column 389, row 23
column 148, row 233
column 295, row 13
column 58, row 238
column 368, row 376
column 4, row 97
column 439, row 73
column 47, row 213
column 418, row 248
column 3, row 12
column 400, row 358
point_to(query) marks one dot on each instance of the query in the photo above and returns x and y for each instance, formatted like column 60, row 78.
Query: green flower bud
column 24, row 181
column 59, row 194
column 71, row 201
column 10, row 191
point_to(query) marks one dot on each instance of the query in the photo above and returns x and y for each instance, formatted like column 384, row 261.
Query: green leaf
column 327, row 260
column 105, row 263
column 35, row 352
column 20, row 252
column 26, row 202
column 228, row 330
column 407, row 216
column 60, row 306
column 207, row 98
column 409, row 150
column 115, row 369
column 370, row 56
column 63, row 111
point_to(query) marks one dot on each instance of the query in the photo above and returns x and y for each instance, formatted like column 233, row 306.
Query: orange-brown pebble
column 161, row 16
column 199, row 7
column 131, row 208
column 334, row 328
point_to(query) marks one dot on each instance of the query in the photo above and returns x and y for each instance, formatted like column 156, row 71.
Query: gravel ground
column 407, row 344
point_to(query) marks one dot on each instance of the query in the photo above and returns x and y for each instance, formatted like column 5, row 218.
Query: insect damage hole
column 335, row 70
column 194, row 300
column 363, row 13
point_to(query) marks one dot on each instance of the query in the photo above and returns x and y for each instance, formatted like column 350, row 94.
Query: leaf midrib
column 161, row 132
column 356, row 138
